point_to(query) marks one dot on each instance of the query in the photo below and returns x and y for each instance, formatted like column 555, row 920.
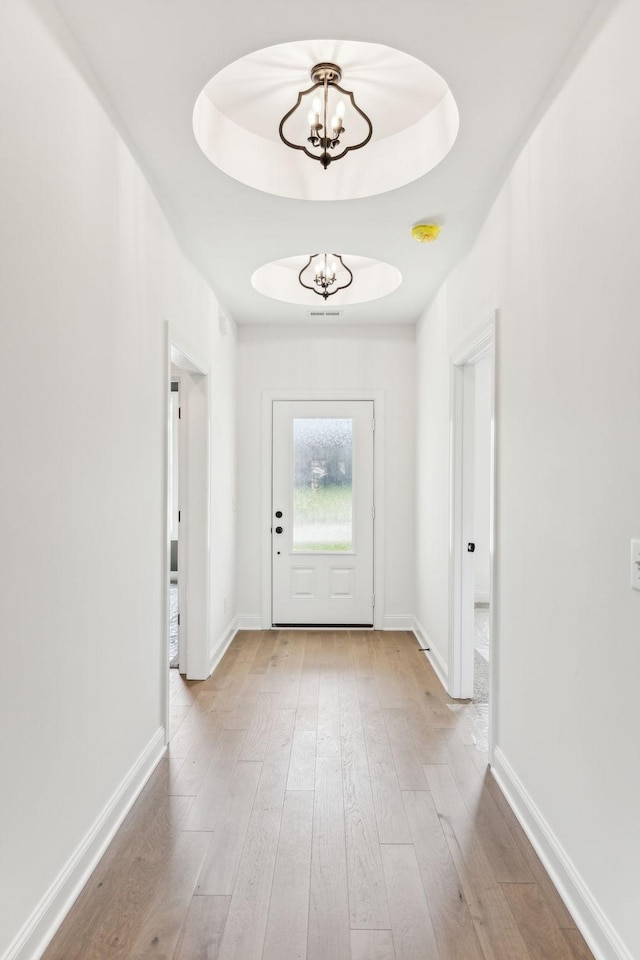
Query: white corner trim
column 432, row 655
column 39, row 929
column 594, row 926
column 477, row 342
column 218, row 651
column 398, row 621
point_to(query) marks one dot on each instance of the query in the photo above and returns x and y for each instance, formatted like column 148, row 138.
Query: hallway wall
column 558, row 257
column 89, row 275
column 286, row 357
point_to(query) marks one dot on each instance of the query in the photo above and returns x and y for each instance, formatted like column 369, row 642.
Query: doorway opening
column 472, row 517
column 187, row 548
column 323, row 513
column 173, row 520
column 341, row 584
column 481, row 559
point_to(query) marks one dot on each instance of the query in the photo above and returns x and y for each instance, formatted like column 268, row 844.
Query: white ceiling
column 153, row 57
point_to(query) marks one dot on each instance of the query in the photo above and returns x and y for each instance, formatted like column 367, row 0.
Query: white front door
column 322, row 513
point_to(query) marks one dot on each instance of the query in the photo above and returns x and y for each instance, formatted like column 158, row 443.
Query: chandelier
column 325, row 116
column 323, row 272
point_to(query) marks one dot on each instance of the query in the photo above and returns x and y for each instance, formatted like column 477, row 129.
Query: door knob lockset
column 278, row 529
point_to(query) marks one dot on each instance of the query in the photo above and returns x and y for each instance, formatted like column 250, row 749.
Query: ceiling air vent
column 324, row 313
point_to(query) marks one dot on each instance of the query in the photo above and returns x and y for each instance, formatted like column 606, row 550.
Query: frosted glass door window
column 322, row 485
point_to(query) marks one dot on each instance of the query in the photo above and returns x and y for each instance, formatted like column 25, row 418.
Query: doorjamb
column 481, row 342
column 179, row 465
column 194, row 562
column 266, row 460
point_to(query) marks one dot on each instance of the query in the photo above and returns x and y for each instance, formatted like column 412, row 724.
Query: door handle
column 278, row 529
column 471, row 547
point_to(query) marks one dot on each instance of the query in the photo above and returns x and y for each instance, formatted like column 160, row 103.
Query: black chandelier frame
column 325, row 75
column 325, row 281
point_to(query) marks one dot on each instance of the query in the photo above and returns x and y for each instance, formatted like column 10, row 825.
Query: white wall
column 286, row 357
column 482, row 477
column 559, row 256
column 89, row 276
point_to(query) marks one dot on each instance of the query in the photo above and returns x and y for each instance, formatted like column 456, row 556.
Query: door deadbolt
column 278, row 514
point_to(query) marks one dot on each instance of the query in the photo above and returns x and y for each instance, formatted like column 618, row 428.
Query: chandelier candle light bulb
column 336, row 122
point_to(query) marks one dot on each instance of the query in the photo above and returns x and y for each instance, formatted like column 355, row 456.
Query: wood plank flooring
column 321, row 799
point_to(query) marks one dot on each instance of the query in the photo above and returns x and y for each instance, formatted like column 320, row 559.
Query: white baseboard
column 398, row 621
column 39, row 929
column 218, row 651
column 249, row 622
column 594, row 926
column 440, row 667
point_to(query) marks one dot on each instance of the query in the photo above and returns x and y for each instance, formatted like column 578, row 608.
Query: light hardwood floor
column 322, row 798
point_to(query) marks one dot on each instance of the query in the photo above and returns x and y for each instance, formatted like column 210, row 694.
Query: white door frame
column 268, row 397
column 480, row 343
column 194, row 490
column 178, row 465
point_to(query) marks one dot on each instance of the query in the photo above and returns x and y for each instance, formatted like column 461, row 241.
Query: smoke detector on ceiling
column 425, row 232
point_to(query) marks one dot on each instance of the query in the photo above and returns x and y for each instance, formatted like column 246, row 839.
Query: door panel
column 322, row 522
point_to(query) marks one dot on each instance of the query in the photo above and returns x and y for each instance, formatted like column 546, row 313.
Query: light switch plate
column 635, row 564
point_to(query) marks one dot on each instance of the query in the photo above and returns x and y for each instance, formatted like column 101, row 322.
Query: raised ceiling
column 500, row 58
column 415, row 120
column 371, row 280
